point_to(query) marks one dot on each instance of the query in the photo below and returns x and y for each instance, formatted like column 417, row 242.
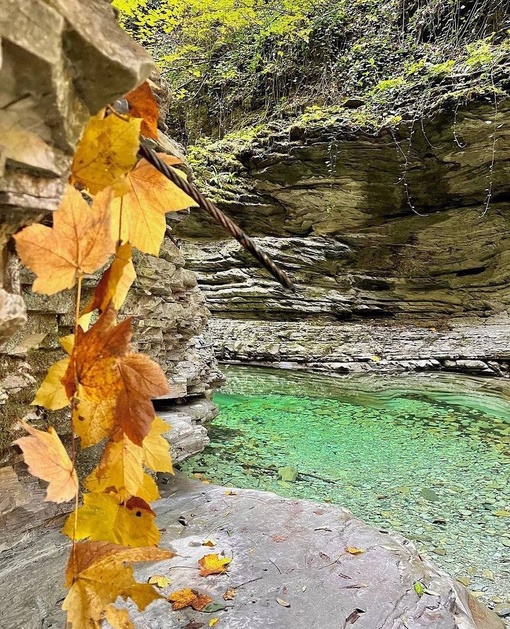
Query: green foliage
column 240, row 63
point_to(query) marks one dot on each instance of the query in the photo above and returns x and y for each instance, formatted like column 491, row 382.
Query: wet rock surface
column 290, row 568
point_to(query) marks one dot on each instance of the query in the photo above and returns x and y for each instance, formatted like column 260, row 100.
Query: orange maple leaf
column 98, row 574
column 142, row 379
column 78, row 243
column 95, row 358
column 188, row 598
column 213, row 564
column 47, row 458
column 115, row 282
column 142, row 105
column 138, row 216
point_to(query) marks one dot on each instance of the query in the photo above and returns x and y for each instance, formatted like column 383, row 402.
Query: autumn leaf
column 78, row 243
column 159, row 580
column 142, row 379
column 98, row 573
column 107, row 151
column 120, row 471
column 138, row 216
column 94, row 361
column 47, row 458
column 156, row 449
column 213, row 564
column 142, row 105
column 229, row 595
column 188, row 598
column 104, row 517
column 92, row 421
column 352, row 550
column 52, row 394
column 115, row 283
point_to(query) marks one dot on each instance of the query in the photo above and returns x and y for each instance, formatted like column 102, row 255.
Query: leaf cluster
column 114, row 202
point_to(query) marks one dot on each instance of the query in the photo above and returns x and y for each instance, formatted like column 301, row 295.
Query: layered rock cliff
column 397, row 241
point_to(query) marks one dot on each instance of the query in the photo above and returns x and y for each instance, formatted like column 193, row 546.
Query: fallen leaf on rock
column 352, row 550
column 488, row 574
column 501, row 514
column 188, row 598
column 229, row 595
column 47, row 458
column 278, row 538
column 230, row 493
column 375, row 359
column 419, row 588
column 213, row 564
column 213, row 607
column 209, row 542
column 159, row 580
column 464, row 580
column 283, row 603
column 213, row 621
column 354, row 616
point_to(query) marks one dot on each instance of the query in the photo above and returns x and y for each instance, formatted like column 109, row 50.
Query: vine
column 114, row 202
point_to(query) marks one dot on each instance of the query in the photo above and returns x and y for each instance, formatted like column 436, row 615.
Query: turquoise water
column 425, row 461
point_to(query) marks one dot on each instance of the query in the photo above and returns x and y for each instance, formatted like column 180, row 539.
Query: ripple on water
column 432, row 464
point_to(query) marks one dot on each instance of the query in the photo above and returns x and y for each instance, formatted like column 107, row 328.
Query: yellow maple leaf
column 113, row 287
column 352, row 550
column 104, row 517
column 52, row 394
column 188, row 598
column 78, row 243
column 156, row 449
column 47, row 458
column 213, row 564
column 120, row 467
column 138, row 216
column 98, row 573
column 92, row 421
column 107, row 151
column 159, row 580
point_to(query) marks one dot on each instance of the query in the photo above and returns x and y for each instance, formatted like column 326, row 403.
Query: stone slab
column 291, row 550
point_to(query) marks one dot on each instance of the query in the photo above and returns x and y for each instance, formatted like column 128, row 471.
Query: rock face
column 60, row 61
column 291, row 567
column 390, row 237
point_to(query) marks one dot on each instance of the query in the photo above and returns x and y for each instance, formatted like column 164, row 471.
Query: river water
column 427, row 456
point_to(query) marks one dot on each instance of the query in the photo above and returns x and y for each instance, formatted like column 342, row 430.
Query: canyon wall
column 397, row 241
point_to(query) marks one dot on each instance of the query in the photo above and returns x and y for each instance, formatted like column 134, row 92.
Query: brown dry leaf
column 156, row 449
column 105, row 517
column 115, row 283
column 78, row 243
column 98, row 574
column 138, row 216
column 213, row 564
column 209, row 542
column 352, row 550
column 142, row 379
column 229, row 594
column 142, row 105
column 107, row 151
column 47, row 458
column 188, row 598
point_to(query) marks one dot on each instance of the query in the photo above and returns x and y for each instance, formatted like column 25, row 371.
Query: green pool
column 426, row 456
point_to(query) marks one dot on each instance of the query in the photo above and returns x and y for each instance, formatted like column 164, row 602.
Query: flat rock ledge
column 290, row 568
